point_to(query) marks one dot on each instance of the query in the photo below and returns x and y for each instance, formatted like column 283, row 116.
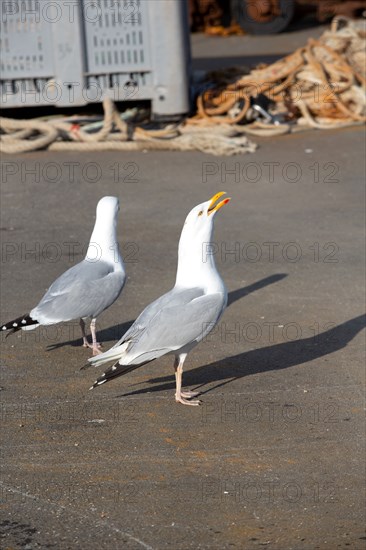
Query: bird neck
column 103, row 244
column 196, row 265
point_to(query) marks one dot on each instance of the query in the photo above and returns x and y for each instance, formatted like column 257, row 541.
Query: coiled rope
column 321, row 85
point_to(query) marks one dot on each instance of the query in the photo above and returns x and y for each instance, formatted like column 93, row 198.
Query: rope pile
column 321, row 85
column 117, row 134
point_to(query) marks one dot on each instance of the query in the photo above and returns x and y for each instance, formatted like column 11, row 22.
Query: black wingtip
column 114, row 372
column 18, row 324
column 101, row 380
column 86, row 366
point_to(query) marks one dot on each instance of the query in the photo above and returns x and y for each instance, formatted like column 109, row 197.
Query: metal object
column 67, row 54
column 263, row 113
column 267, row 16
column 259, row 109
column 264, row 10
column 263, row 16
column 328, row 8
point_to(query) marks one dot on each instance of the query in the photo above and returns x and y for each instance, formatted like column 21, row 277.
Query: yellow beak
column 212, row 208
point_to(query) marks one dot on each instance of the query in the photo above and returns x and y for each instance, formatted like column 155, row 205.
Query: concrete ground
column 211, row 53
column 273, row 457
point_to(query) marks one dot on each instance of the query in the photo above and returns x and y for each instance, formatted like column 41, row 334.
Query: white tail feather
column 114, row 354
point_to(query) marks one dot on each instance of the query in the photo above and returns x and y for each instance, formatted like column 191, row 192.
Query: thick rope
column 324, row 79
column 117, row 135
column 320, row 85
column 46, row 135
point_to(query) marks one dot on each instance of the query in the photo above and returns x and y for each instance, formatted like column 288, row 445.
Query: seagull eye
column 200, row 212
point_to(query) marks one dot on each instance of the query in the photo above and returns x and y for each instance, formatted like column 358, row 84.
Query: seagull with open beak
column 177, row 321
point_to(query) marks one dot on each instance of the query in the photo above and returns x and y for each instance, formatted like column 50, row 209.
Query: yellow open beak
column 212, row 208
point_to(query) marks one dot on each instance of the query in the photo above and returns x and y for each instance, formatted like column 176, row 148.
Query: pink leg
column 96, row 346
column 182, row 397
column 85, row 339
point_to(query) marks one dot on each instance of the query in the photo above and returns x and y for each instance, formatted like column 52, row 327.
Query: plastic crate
column 71, row 53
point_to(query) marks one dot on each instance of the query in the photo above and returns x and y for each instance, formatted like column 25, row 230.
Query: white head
column 199, row 223
column 107, row 208
column 103, row 241
column 196, row 237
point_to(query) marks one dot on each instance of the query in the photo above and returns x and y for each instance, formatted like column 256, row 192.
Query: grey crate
column 72, row 53
column 118, row 39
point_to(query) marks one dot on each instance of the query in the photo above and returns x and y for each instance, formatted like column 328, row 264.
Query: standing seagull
column 87, row 288
column 178, row 320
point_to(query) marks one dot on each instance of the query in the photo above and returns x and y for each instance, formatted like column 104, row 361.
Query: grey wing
column 175, row 326
column 84, row 290
column 171, row 298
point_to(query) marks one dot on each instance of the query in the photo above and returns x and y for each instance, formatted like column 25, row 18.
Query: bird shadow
column 236, row 295
column 104, row 335
column 257, row 361
column 115, row 332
